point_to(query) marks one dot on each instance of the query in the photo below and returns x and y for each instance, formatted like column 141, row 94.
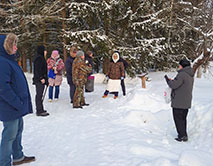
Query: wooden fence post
column 143, row 79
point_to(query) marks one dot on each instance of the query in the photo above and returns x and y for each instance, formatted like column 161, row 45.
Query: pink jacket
column 59, row 67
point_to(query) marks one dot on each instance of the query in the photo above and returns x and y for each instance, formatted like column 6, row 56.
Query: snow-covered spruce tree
column 147, row 33
column 194, row 21
column 142, row 32
column 36, row 23
column 86, row 27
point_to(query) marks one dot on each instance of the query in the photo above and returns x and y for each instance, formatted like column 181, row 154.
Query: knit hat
column 55, row 54
column 79, row 53
column 184, row 63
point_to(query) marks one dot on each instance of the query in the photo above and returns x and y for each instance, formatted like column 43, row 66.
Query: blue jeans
column 11, row 142
column 51, row 92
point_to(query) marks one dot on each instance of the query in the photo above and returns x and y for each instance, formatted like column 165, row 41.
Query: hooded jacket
column 40, row 66
column 116, row 69
column 15, row 99
column 182, row 87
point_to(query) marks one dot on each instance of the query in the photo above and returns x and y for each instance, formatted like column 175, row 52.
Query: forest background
column 149, row 34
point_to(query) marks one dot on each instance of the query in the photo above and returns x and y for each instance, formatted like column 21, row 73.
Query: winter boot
column 77, row 107
column 104, row 96
column 85, row 104
column 184, row 139
column 25, row 160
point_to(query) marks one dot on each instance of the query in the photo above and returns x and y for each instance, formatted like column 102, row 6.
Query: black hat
column 184, row 63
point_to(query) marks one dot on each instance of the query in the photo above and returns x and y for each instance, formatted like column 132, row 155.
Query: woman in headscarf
column 115, row 74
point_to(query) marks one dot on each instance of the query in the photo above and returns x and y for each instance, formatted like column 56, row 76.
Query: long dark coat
column 40, row 66
column 68, row 67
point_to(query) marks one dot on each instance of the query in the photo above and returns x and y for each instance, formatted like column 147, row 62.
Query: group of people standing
column 15, row 99
column 49, row 73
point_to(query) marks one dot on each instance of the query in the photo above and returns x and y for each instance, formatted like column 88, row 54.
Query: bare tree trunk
column 204, row 59
column 24, row 61
column 170, row 23
column 105, row 65
column 44, row 35
column 23, row 52
column 199, row 72
column 64, row 29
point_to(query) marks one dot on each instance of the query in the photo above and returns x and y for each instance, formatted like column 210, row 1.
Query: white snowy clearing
column 133, row 130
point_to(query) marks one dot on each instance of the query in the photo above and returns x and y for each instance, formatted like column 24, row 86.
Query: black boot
column 184, row 139
column 45, row 113
column 85, row 104
column 77, row 107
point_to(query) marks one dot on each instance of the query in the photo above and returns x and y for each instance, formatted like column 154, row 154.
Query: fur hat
column 79, row 53
column 10, row 41
column 184, row 63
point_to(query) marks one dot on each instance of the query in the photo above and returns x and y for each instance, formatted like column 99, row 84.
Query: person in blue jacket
column 15, row 102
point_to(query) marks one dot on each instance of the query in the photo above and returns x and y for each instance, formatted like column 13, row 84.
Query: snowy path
column 135, row 130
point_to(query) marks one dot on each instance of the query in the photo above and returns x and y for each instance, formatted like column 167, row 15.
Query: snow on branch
column 198, row 30
column 88, row 36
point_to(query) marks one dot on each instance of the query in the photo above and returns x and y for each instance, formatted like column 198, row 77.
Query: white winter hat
column 116, row 54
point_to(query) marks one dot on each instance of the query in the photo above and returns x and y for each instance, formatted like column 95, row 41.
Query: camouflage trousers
column 78, row 98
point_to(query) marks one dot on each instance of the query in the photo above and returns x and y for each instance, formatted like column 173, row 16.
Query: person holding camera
column 181, row 97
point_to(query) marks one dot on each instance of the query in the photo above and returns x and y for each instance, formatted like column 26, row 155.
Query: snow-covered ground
column 135, row 130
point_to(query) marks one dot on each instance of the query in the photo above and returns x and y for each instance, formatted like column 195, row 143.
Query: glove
column 122, row 78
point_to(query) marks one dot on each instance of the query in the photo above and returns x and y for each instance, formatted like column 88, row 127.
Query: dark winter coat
column 182, row 86
column 80, row 70
column 15, row 100
column 115, row 70
column 68, row 67
column 40, row 66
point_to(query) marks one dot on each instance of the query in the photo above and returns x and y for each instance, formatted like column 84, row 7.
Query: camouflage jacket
column 80, row 71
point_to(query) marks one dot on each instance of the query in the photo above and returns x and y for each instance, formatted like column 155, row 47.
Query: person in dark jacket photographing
column 181, row 97
column 15, row 102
